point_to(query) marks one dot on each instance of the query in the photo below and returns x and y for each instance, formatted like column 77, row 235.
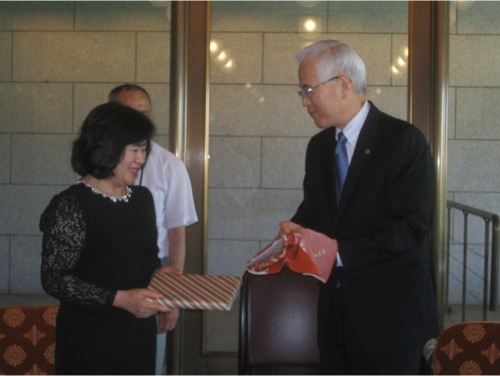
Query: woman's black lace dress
column 93, row 247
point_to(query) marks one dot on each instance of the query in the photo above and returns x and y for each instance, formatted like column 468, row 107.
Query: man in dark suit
column 378, row 309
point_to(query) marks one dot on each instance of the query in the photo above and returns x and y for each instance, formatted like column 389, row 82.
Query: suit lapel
column 367, row 141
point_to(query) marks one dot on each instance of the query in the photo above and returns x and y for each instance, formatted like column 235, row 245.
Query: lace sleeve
column 64, row 231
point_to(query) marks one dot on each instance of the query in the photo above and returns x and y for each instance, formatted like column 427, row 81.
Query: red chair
column 468, row 348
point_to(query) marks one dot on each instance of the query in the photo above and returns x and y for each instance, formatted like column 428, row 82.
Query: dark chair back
column 278, row 324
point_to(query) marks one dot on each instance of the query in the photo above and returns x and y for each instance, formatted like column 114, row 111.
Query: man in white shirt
column 166, row 177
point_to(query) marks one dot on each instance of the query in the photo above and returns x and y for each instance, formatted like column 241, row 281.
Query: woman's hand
column 140, row 302
column 291, row 227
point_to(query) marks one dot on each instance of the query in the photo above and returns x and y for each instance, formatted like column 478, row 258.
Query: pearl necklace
column 123, row 198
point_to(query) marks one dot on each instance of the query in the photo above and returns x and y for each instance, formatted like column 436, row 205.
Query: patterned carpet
column 27, row 340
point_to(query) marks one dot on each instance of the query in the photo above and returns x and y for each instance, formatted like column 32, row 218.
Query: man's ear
column 346, row 82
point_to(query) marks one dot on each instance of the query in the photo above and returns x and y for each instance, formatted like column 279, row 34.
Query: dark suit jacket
column 381, row 225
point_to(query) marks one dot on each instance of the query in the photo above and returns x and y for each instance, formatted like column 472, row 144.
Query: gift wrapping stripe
column 219, row 288
column 198, row 287
column 196, row 291
column 176, row 297
column 209, row 297
column 187, row 298
column 193, row 284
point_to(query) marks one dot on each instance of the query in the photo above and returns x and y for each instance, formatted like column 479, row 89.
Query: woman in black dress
column 99, row 250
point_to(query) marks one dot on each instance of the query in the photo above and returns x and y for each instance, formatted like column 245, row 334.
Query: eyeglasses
column 306, row 93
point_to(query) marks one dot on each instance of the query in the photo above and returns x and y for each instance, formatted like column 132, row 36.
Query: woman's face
column 133, row 158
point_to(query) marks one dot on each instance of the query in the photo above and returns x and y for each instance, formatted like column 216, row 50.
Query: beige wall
column 58, row 60
column 258, row 127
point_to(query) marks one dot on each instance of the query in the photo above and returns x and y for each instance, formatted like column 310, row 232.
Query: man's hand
column 291, row 227
column 168, row 320
column 168, row 269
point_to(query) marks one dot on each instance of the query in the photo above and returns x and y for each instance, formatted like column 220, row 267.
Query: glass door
column 474, row 135
column 258, row 128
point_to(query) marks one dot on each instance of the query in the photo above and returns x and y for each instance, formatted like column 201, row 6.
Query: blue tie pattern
column 342, row 164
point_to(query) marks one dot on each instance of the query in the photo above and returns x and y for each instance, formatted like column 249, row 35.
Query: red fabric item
column 308, row 253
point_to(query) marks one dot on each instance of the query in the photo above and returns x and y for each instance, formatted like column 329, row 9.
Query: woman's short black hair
column 104, row 134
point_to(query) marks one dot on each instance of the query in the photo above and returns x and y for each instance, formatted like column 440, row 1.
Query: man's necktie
column 342, row 164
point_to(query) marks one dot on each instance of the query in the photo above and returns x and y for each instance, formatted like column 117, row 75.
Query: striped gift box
column 196, row 291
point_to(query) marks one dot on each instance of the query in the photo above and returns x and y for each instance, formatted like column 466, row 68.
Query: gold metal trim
column 189, row 140
column 440, row 152
column 178, row 79
column 427, row 109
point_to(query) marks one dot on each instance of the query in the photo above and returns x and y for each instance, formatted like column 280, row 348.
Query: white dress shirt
column 166, row 177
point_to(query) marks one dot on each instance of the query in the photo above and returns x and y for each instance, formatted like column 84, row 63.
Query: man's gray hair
column 335, row 58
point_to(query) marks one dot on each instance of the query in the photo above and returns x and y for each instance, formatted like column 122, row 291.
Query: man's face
column 324, row 103
column 136, row 100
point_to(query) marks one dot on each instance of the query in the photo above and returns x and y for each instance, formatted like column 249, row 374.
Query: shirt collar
column 353, row 128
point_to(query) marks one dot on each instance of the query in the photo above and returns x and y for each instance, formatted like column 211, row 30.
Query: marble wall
column 473, row 134
column 59, row 59
column 259, row 129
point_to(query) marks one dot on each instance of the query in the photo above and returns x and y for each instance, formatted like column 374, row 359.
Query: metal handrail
column 495, row 245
